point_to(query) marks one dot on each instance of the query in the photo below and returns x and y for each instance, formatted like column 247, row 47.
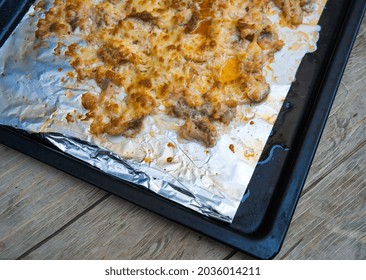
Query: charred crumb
column 192, row 23
column 146, row 83
column 113, row 55
column 133, row 128
column 144, row 16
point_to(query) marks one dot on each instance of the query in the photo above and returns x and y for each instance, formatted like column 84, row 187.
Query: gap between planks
column 64, row 227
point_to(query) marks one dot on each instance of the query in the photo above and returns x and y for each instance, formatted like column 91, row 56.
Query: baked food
column 195, row 60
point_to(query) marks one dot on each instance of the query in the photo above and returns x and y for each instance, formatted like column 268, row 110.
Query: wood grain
column 46, row 214
column 36, row 201
column 116, row 229
column 330, row 221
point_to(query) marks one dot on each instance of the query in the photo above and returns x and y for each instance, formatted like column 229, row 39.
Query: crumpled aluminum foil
column 36, row 96
column 114, row 165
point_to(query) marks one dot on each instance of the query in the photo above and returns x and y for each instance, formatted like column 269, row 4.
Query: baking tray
column 263, row 218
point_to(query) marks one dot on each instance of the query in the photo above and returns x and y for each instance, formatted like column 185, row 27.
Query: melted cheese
column 196, row 59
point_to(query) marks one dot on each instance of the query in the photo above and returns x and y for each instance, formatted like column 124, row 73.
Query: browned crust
column 167, row 53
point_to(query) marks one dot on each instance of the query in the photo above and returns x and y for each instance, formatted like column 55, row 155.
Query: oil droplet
column 230, row 71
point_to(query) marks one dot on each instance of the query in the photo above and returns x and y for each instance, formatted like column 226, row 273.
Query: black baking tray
column 263, row 218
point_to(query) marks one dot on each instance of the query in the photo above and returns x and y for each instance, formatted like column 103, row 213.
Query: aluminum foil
column 37, row 95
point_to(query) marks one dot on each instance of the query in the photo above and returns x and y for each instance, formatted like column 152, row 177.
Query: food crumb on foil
column 47, row 87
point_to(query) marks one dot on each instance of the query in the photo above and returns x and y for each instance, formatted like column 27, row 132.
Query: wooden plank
column 346, row 124
column 36, row 200
column 116, row 229
column 41, row 202
column 362, row 30
column 330, row 221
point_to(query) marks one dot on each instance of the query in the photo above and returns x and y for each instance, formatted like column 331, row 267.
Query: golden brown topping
column 192, row 23
column 89, row 101
column 144, row 16
column 225, row 111
column 146, row 83
column 247, row 30
column 260, row 89
column 57, row 50
column 201, row 18
column 292, row 9
column 197, row 59
column 40, row 5
column 268, row 39
column 199, row 129
column 114, row 56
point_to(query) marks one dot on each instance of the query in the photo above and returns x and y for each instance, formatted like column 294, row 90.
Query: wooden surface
column 46, row 214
